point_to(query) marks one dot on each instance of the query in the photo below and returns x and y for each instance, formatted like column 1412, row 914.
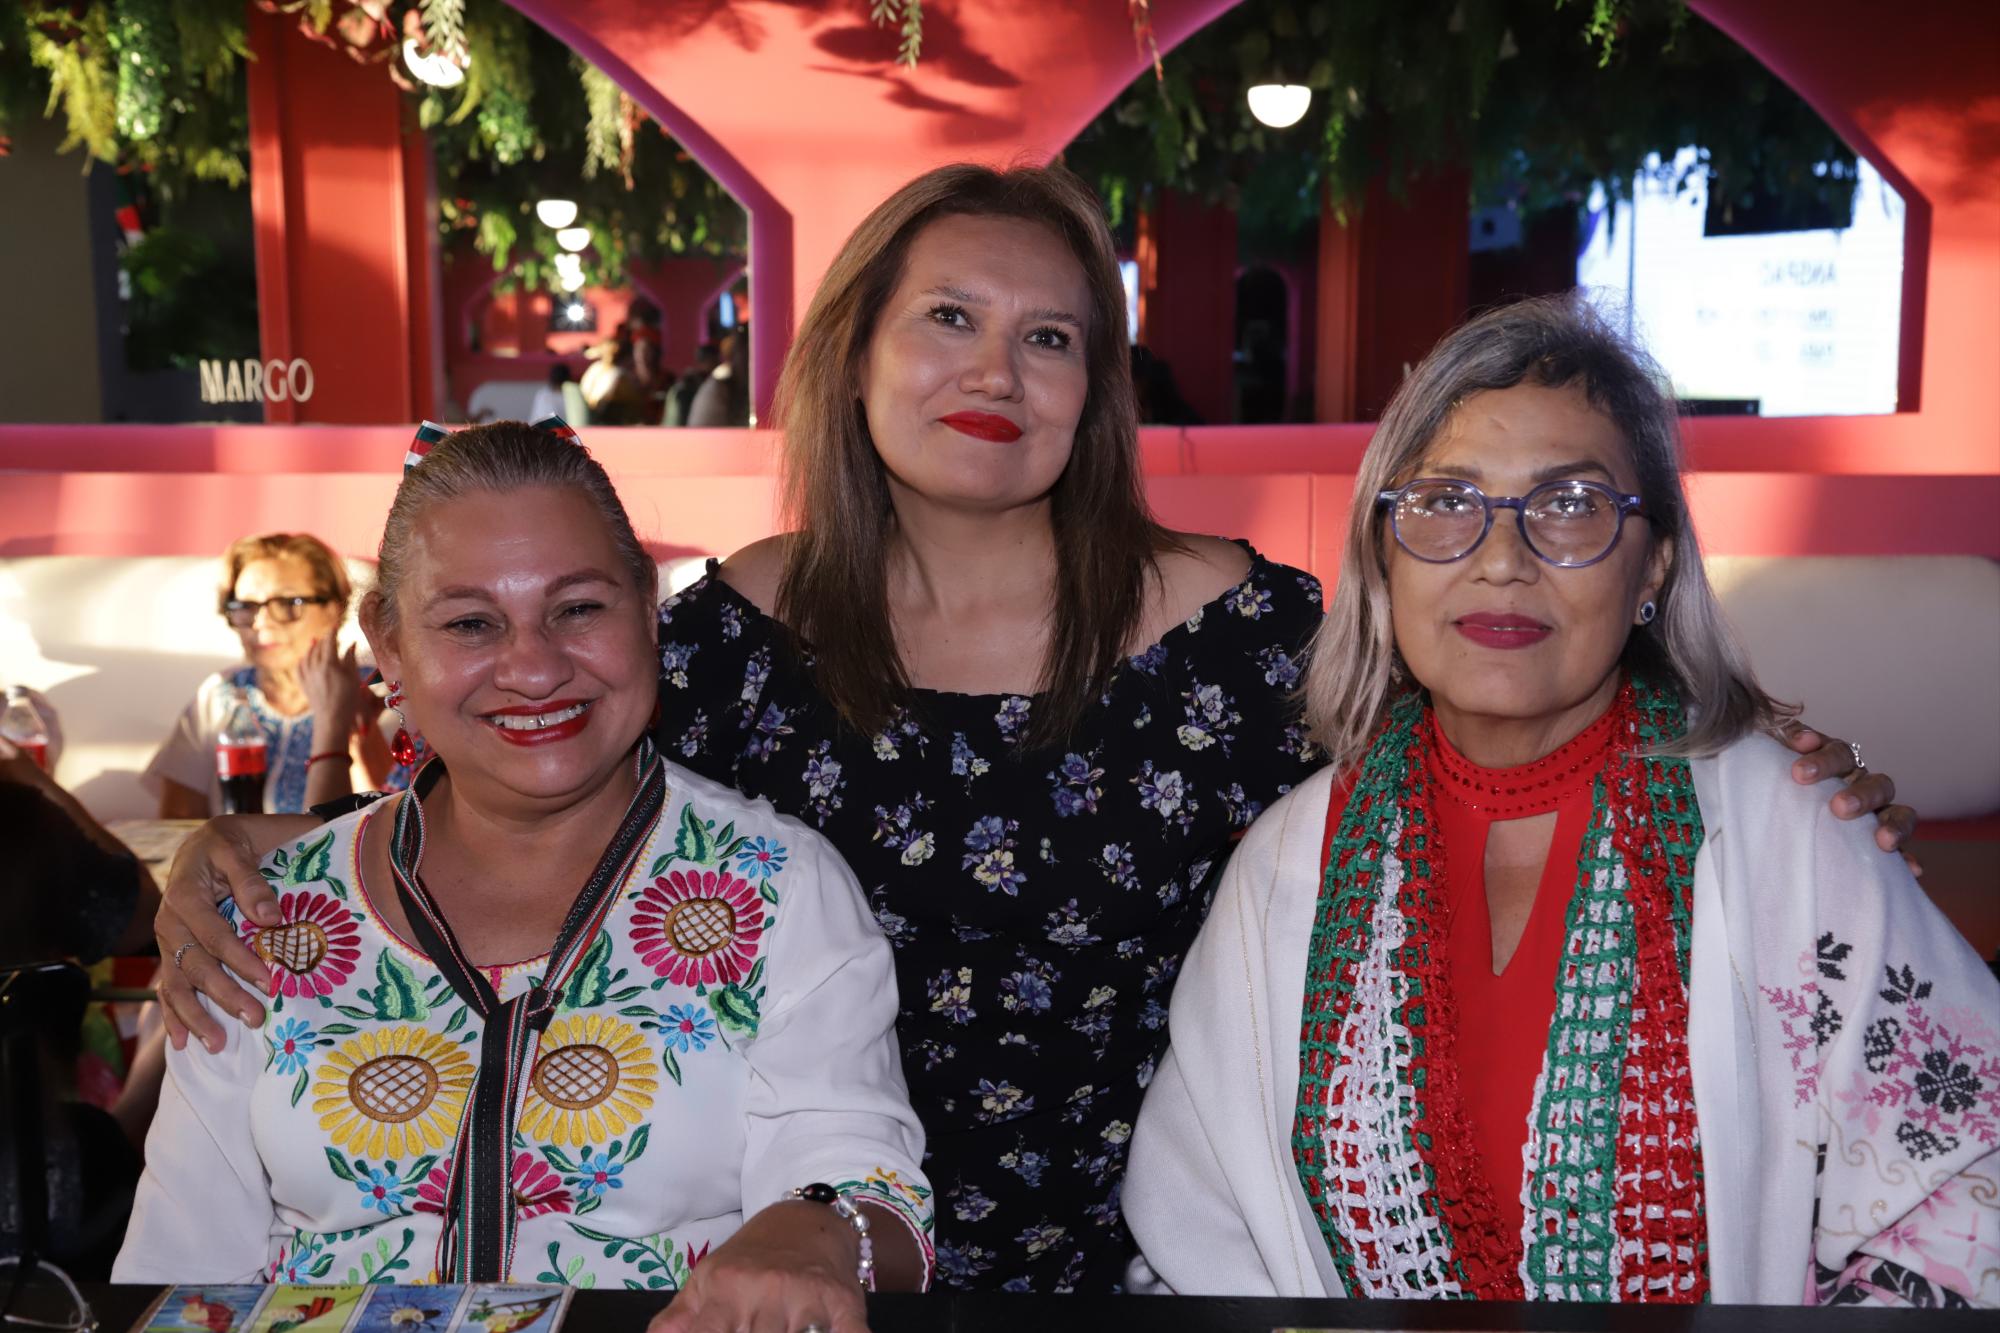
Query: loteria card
column 191, row 1309
column 500, row 1307
column 405, row 1309
column 309, row 1309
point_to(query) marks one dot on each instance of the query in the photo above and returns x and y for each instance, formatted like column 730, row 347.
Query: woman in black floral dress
column 1031, row 719
column 1039, row 898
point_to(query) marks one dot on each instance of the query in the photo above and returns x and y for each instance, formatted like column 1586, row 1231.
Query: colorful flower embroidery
column 392, row 1092
column 594, row 1078
column 688, row 1028
column 537, row 1188
column 312, row 949
column 698, row 926
column 760, row 858
column 291, row 1042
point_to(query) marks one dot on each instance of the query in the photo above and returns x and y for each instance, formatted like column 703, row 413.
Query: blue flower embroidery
column 381, row 1189
column 760, row 858
column 688, row 1028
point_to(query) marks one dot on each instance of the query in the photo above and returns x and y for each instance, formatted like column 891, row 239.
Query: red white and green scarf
column 1611, row 1180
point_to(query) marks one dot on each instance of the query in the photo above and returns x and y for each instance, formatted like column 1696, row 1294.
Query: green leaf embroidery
column 558, row 1159
column 313, row 861
column 735, row 1010
column 397, row 996
column 339, row 1165
column 691, row 841
column 673, row 1066
column 592, row 977
column 458, row 1018
column 638, row 1144
column 299, row 1088
column 338, row 1030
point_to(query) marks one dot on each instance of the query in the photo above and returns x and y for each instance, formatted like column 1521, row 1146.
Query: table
column 154, row 841
column 957, row 1312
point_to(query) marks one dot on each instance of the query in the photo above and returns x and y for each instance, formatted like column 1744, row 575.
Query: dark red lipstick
column 983, row 426
column 1492, row 629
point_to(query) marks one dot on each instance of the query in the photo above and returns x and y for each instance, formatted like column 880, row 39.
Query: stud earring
column 401, row 748
column 1647, row 610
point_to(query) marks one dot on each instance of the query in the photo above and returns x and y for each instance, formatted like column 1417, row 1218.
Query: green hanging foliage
column 499, row 86
column 75, row 53
column 141, row 48
column 907, row 17
column 608, row 133
column 1539, row 99
column 444, row 27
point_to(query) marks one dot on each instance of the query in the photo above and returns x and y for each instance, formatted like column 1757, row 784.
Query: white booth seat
column 1901, row 653
column 117, row 644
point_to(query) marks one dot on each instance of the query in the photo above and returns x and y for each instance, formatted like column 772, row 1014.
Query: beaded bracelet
column 864, row 1271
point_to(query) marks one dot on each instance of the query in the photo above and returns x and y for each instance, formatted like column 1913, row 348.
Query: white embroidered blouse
column 728, row 1037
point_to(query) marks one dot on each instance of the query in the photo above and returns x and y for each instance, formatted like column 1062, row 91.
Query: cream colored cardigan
column 1831, row 1007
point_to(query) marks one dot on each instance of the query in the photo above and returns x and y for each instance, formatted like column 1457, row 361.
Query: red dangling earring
column 401, row 749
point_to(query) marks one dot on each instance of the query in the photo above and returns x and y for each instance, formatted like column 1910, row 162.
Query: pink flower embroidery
column 312, row 949
column 537, row 1189
column 698, row 927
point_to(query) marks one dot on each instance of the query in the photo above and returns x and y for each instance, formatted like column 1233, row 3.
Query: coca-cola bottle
column 240, row 758
column 22, row 724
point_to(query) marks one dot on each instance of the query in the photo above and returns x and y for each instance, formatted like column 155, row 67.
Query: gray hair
column 1354, row 671
column 501, row 456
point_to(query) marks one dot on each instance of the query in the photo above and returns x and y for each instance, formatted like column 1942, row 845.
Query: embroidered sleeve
column 716, row 651
column 1892, row 1030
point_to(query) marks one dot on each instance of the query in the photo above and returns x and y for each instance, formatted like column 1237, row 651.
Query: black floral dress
column 1039, row 901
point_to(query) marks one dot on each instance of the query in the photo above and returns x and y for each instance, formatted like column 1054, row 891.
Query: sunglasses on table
column 1569, row 524
column 285, row 610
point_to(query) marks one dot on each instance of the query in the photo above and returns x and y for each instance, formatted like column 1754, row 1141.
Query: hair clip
column 428, row 434
column 561, row 429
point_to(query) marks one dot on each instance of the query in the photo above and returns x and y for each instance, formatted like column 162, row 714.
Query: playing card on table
column 197, row 1309
column 503, row 1307
column 309, row 1310
column 410, row 1309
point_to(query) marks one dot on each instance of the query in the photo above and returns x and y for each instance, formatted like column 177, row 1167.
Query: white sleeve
column 203, row 1212
column 187, row 756
column 1188, row 1222
column 826, row 1101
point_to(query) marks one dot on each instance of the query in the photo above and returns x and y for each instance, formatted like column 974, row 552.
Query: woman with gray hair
column 1587, row 1004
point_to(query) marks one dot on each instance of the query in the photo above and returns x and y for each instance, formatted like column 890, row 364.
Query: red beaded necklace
column 1530, row 789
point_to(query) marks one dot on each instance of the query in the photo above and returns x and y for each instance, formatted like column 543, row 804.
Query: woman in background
column 285, row 595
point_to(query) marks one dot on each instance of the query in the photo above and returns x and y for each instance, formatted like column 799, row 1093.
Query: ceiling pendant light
column 1279, row 105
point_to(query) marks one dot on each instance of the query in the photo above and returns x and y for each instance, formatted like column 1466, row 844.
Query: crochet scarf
column 1611, row 1180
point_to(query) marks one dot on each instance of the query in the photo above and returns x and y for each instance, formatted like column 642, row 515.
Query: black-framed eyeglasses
column 285, row 610
column 1568, row 524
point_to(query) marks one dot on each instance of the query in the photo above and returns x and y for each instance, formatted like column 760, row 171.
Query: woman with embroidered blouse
column 681, row 1074
column 1547, row 987
column 1032, row 718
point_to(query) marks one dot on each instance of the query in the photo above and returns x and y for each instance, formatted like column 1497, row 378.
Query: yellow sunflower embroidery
column 594, row 1078
column 393, row 1093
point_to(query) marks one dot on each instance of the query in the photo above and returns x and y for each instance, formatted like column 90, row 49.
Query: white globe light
column 569, row 279
column 1279, row 104
column 576, row 311
column 436, row 68
column 574, row 238
column 556, row 212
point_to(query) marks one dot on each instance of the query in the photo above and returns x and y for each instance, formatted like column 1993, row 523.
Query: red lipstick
column 983, row 426
column 1492, row 629
column 558, row 728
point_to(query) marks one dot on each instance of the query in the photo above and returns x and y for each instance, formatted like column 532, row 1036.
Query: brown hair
column 499, row 456
column 834, row 591
column 329, row 575
column 1556, row 341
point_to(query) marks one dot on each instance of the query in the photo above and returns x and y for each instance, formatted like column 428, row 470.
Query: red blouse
column 1503, row 1020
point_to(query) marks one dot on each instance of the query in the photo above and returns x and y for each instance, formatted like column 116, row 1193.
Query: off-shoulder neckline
column 1260, row 567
